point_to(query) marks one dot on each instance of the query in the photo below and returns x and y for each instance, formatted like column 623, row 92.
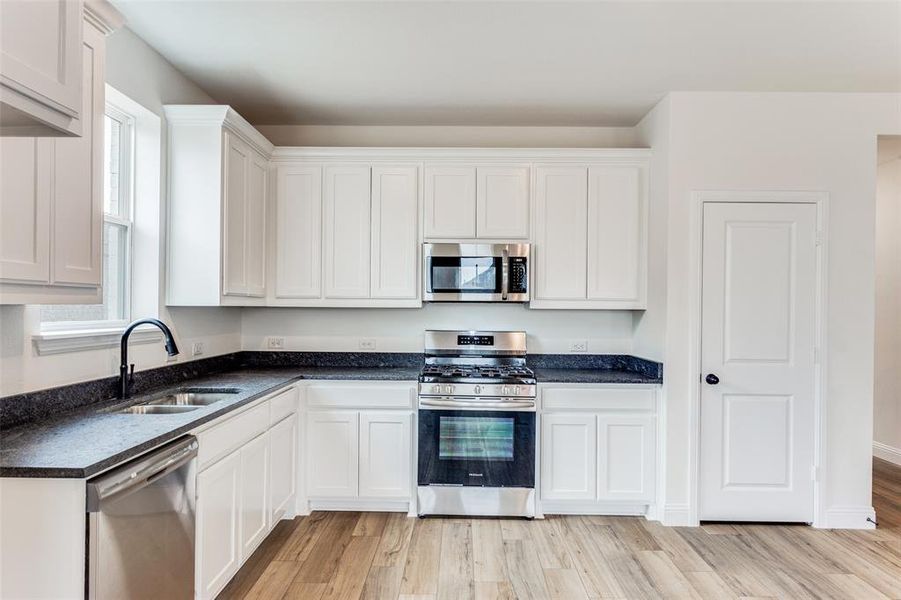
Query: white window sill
column 60, row 342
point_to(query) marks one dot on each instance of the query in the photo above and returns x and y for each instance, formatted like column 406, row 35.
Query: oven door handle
column 505, row 274
column 522, row 405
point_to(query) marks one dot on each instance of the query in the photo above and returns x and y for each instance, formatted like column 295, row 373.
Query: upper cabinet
column 463, row 202
column 590, row 236
column 218, row 189
column 42, row 64
column 346, row 234
column 51, row 196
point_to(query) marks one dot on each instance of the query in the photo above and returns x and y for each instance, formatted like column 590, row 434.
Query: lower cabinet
column 598, row 450
column 242, row 495
column 359, row 454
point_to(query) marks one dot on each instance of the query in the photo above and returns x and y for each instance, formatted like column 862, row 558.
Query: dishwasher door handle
column 141, row 474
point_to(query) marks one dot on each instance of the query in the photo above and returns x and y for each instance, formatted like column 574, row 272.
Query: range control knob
column 436, row 389
column 516, row 390
column 505, row 391
column 448, row 389
column 477, row 389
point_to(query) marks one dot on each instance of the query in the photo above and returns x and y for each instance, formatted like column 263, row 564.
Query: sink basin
column 156, row 409
column 180, row 401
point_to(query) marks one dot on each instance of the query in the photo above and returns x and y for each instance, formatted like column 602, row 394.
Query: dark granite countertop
column 593, row 376
column 87, row 441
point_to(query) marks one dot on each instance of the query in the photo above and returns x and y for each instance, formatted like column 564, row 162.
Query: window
column 118, row 160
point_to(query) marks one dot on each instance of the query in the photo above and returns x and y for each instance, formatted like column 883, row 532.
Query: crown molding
column 287, row 153
column 221, row 115
column 102, row 15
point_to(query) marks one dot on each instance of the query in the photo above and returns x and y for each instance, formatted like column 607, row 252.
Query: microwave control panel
column 519, row 274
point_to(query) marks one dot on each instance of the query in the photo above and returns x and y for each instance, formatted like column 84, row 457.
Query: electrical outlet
column 367, row 344
column 197, row 348
column 578, row 346
column 276, row 343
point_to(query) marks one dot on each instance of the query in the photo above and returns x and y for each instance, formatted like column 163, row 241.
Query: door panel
column 217, row 525
column 347, row 228
column 503, row 202
column 395, row 240
column 283, row 457
column 385, row 453
column 25, row 209
column 298, row 260
column 332, row 453
column 626, row 458
column 450, row 202
column 568, row 456
column 255, row 250
column 758, row 338
column 254, row 494
column 561, row 235
column 237, row 159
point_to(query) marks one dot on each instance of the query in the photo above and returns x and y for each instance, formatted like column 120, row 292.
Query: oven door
column 477, row 448
column 464, row 278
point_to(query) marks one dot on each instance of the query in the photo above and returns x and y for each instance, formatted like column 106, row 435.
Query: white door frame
column 698, row 200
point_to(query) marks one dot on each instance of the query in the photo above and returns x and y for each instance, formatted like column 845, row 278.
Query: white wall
column 449, row 136
column 760, row 141
column 138, row 71
column 400, row 330
column 887, row 389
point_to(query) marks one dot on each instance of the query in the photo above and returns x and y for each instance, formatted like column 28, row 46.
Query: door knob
column 712, row 379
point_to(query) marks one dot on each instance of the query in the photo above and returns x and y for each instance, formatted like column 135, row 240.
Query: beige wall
column 438, row 136
column 887, row 385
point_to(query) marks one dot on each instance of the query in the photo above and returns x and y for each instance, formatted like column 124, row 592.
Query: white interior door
column 758, row 340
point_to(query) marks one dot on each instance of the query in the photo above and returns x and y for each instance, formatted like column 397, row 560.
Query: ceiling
column 511, row 62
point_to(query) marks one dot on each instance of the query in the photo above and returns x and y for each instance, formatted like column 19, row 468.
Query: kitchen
column 494, row 323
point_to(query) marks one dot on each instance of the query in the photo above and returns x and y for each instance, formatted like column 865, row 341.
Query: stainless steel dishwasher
column 141, row 526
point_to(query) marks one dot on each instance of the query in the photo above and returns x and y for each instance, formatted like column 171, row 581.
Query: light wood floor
column 389, row 556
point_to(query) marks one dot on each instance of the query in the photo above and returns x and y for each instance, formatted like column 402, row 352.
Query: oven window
column 475, row 438
column 465, row 274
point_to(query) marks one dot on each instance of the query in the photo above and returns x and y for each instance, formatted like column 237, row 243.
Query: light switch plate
column 578, row 346
column 367, row 344
column 197, row 348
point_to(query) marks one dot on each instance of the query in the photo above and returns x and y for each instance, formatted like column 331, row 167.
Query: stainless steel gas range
column 476, row 425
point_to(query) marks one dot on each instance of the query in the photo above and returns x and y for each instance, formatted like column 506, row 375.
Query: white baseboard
column 886, row 452
column 850, row 517
column 678, row 515
column 570, row 507
column 360, row 504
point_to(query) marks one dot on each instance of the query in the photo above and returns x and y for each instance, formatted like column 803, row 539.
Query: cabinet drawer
column 364, row 394
column 282, row 405
column 594, row 398
column 218, row 441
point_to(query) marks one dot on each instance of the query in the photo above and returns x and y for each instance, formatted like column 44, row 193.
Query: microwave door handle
column 505, row 274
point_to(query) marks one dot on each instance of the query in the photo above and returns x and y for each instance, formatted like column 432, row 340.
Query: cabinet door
column 561, row 237
column 626, row 458
column 255, row 249
column 298, row 234
column 218, row 505
column 332, row 453
column 254, row 494
column 347, row 226
column 502, row 202
column 283, row 470
column 616, row 236
column 78, row 182
column 234, row 227
column 25, row 187
column 450, row 202
column 385, row 454
column 395, row 240
column 568, row 456
column 42, row 60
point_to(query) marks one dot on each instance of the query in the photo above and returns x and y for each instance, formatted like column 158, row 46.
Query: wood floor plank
column 455, row 572
column 564, row 584
column 421, row 566
column 489, row 564
column 595, row 573
column 382, row 582
column 274, row 581
column 709, row 585
column 325, row 556
column 627, row 571
column 256, row 565
column 855, row 587
column 301, row 590
column 494, row 590
column 524, row 569
column 350, row 576
column 298, row 545
column 371, row 524
column 552, row 551
column 395, row 541
column 679, row 551
column 668, row 580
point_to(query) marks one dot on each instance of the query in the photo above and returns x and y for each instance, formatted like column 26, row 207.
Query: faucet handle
column 131, row 373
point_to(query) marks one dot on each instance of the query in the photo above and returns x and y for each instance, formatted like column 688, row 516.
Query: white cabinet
column 332, row 453
column 254, row 520
column 589, row 236
column 385, row 454
column 488, row 202
column 283, row 468
column 395, row 233
column 51, row 198
column 298, row 232
column 218, row 518
column 502, row 202
column 568, row 456
column 347, row 226
column 450, row 202
column 598, row 448
column 218, row 176
column 346, row 235
column 41, row 68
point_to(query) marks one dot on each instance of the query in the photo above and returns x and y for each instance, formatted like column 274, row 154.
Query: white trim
column 360, row 504
column 821, row 200
column 417, row 155
column 59, row 342
column 678, row 515
column 886, row 452
column 564, row 507
column 849, row 517
column 219, row 114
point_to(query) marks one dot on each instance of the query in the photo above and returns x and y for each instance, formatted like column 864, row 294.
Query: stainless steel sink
column 180, row 401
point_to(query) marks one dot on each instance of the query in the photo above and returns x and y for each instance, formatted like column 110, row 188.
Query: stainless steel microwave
column 475, row 272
